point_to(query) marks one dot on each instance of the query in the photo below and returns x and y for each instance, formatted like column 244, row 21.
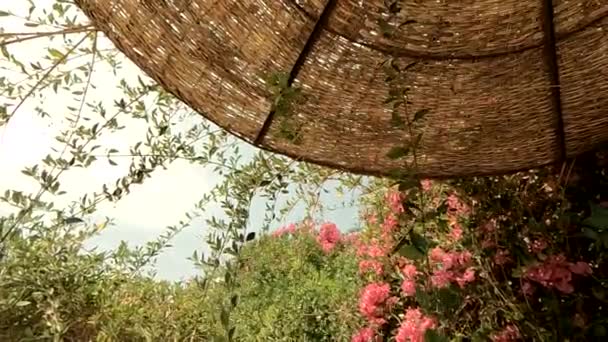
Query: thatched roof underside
column 509, row 84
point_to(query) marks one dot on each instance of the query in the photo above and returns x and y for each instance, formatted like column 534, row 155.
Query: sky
column 151, row 207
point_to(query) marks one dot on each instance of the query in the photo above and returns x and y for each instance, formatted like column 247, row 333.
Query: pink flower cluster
column 371, row 265
column 373, row 249
column 365, row 335
column 456, row 207
column 374, row 302
column 502, row 257
column 538, row 245
column 395, row 201
column 556, row 272
column 427, row 184
column 289, row 229
column 456, row 232
column 390, row 224
column 372, row 253
column 414, row 326
column 410, row 273
column 451, row 267
column 509, row 334
column 329, row 236
column 488, row 232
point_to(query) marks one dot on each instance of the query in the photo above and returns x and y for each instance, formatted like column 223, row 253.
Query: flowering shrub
column 448, row 261
column 329, row 236
column 475, row 260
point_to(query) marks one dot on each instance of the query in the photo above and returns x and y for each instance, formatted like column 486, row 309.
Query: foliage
column 290, row 289
column 512, row 257
column 284, row 97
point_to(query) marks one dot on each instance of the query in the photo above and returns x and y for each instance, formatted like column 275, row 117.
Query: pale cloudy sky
column 140, row 216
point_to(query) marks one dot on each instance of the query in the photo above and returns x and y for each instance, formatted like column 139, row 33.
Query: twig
column 35, row 35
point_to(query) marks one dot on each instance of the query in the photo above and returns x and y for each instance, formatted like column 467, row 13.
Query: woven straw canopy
column 508, row 84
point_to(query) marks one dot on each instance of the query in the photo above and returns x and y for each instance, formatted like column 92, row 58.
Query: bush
column 510, row 258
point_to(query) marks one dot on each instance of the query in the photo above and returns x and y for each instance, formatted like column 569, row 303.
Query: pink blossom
column 564, row 286
column 554, row 272
column 488, row 242
column 395, row 199
column 449, row 260
column 390, row 223
column 527, row 289
column 372, row 219
column 391, row 302
column 352, row 238
column 456, row 232
column 376, row 250
column 437, row 254
column 371, row 265
column 455, row 206
column 538, row 245
column 409, row 271
column 289, row 229
column 580, row 268
column 372, row 302
column 464, row 258
column 441, row 278
column 427, row 184
column 467, row 277
column 364, row 335
column 489, row 227
column 509, row 334
column 361, row 248
column 502, row 257
column 408, row 287
column 414, row 326
column 329, row 236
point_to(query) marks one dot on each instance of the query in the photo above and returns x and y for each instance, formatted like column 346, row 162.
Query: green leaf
column 23, row 303
column 398, row 173
column 55, row 53
column 71, row 220
column 419, row 242
column 408, row 183
column 398, row 152
column 4, row 14
column 385, row 28
column 420, row 114
column 407, row 22
column 411, row 252
column 434, row 336
column 598, row 218
column 590, row 233
column 396, row 119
